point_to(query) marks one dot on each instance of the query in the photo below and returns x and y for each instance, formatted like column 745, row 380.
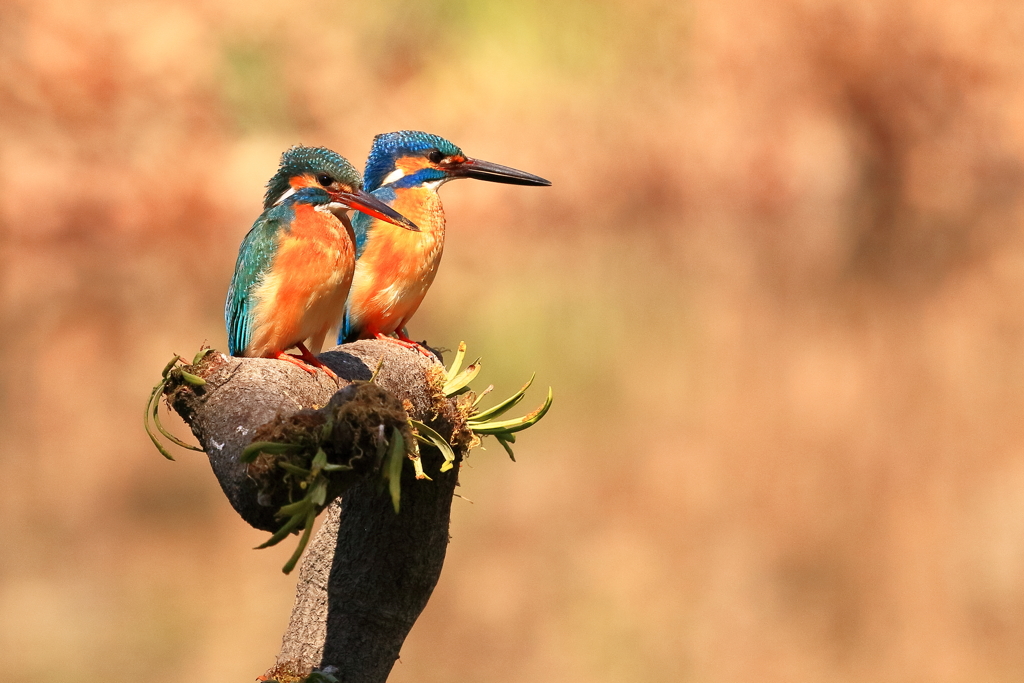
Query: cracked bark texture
column 368, row 573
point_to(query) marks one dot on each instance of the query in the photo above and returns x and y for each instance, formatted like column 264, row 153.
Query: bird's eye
column 325, row 180
column 435, row 156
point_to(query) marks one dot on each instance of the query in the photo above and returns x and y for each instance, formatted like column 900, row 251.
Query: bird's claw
column 310, row 359
column 296, row 361
column 407, row 343
column 308, row 362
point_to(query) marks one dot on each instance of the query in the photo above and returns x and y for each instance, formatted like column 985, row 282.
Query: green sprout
column 151, row 418
column 483, row 422
column 393, row 467
column 313, row 481
column 430, row 437
column 456, row 382
column 313, row 477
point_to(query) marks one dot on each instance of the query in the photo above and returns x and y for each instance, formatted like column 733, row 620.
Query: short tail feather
column 348, row 331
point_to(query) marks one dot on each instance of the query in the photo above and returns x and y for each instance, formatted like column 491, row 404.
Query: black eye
column 435, row 156
column 325, row 180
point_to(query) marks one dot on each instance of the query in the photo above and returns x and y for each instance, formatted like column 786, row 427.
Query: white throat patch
column 334, row 208
column 339, row 210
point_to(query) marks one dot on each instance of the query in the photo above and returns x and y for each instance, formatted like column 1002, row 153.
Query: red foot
column 305, row 361
column 308, row 356
column 289, row 358
column 406, row 342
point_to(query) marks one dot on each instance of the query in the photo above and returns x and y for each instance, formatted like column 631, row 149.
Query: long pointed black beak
column 496, row 173
column 368, row 204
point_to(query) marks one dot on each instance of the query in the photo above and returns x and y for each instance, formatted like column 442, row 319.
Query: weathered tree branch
column 369, row 572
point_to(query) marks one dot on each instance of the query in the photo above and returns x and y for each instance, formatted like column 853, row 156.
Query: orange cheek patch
column 409, row 165
column 300, row 181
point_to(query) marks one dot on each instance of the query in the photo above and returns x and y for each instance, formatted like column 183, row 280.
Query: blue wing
column 255, row 257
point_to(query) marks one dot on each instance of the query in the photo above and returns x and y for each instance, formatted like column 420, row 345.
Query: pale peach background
column 778, row 286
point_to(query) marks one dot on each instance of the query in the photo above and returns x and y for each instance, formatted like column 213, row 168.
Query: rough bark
column 369, row 572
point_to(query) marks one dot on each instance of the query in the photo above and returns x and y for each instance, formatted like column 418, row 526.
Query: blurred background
column 778, row 287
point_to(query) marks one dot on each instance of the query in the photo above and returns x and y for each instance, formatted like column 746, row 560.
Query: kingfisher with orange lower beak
column 394, row 267
column 295, row 266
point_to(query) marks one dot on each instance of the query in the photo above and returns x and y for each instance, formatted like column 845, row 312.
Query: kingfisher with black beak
column 395, row 267
column 295, row 266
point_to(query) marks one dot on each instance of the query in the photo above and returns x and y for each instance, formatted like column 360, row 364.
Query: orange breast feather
column 305, row 289
column 398, row 266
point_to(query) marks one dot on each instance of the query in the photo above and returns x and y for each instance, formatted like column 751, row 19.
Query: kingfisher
column 395, row 267
column 295, row 266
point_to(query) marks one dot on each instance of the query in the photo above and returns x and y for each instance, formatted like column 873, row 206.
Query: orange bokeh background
column 777, row 285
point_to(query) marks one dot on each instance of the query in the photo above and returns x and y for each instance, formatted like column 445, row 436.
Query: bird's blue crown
column 389, row 147
column 299, row 161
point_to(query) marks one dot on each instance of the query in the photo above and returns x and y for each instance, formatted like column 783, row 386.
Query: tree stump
column 368, row 573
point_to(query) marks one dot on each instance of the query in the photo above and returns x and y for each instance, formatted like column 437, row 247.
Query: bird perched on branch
column 295, row 266
column 394, row 267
